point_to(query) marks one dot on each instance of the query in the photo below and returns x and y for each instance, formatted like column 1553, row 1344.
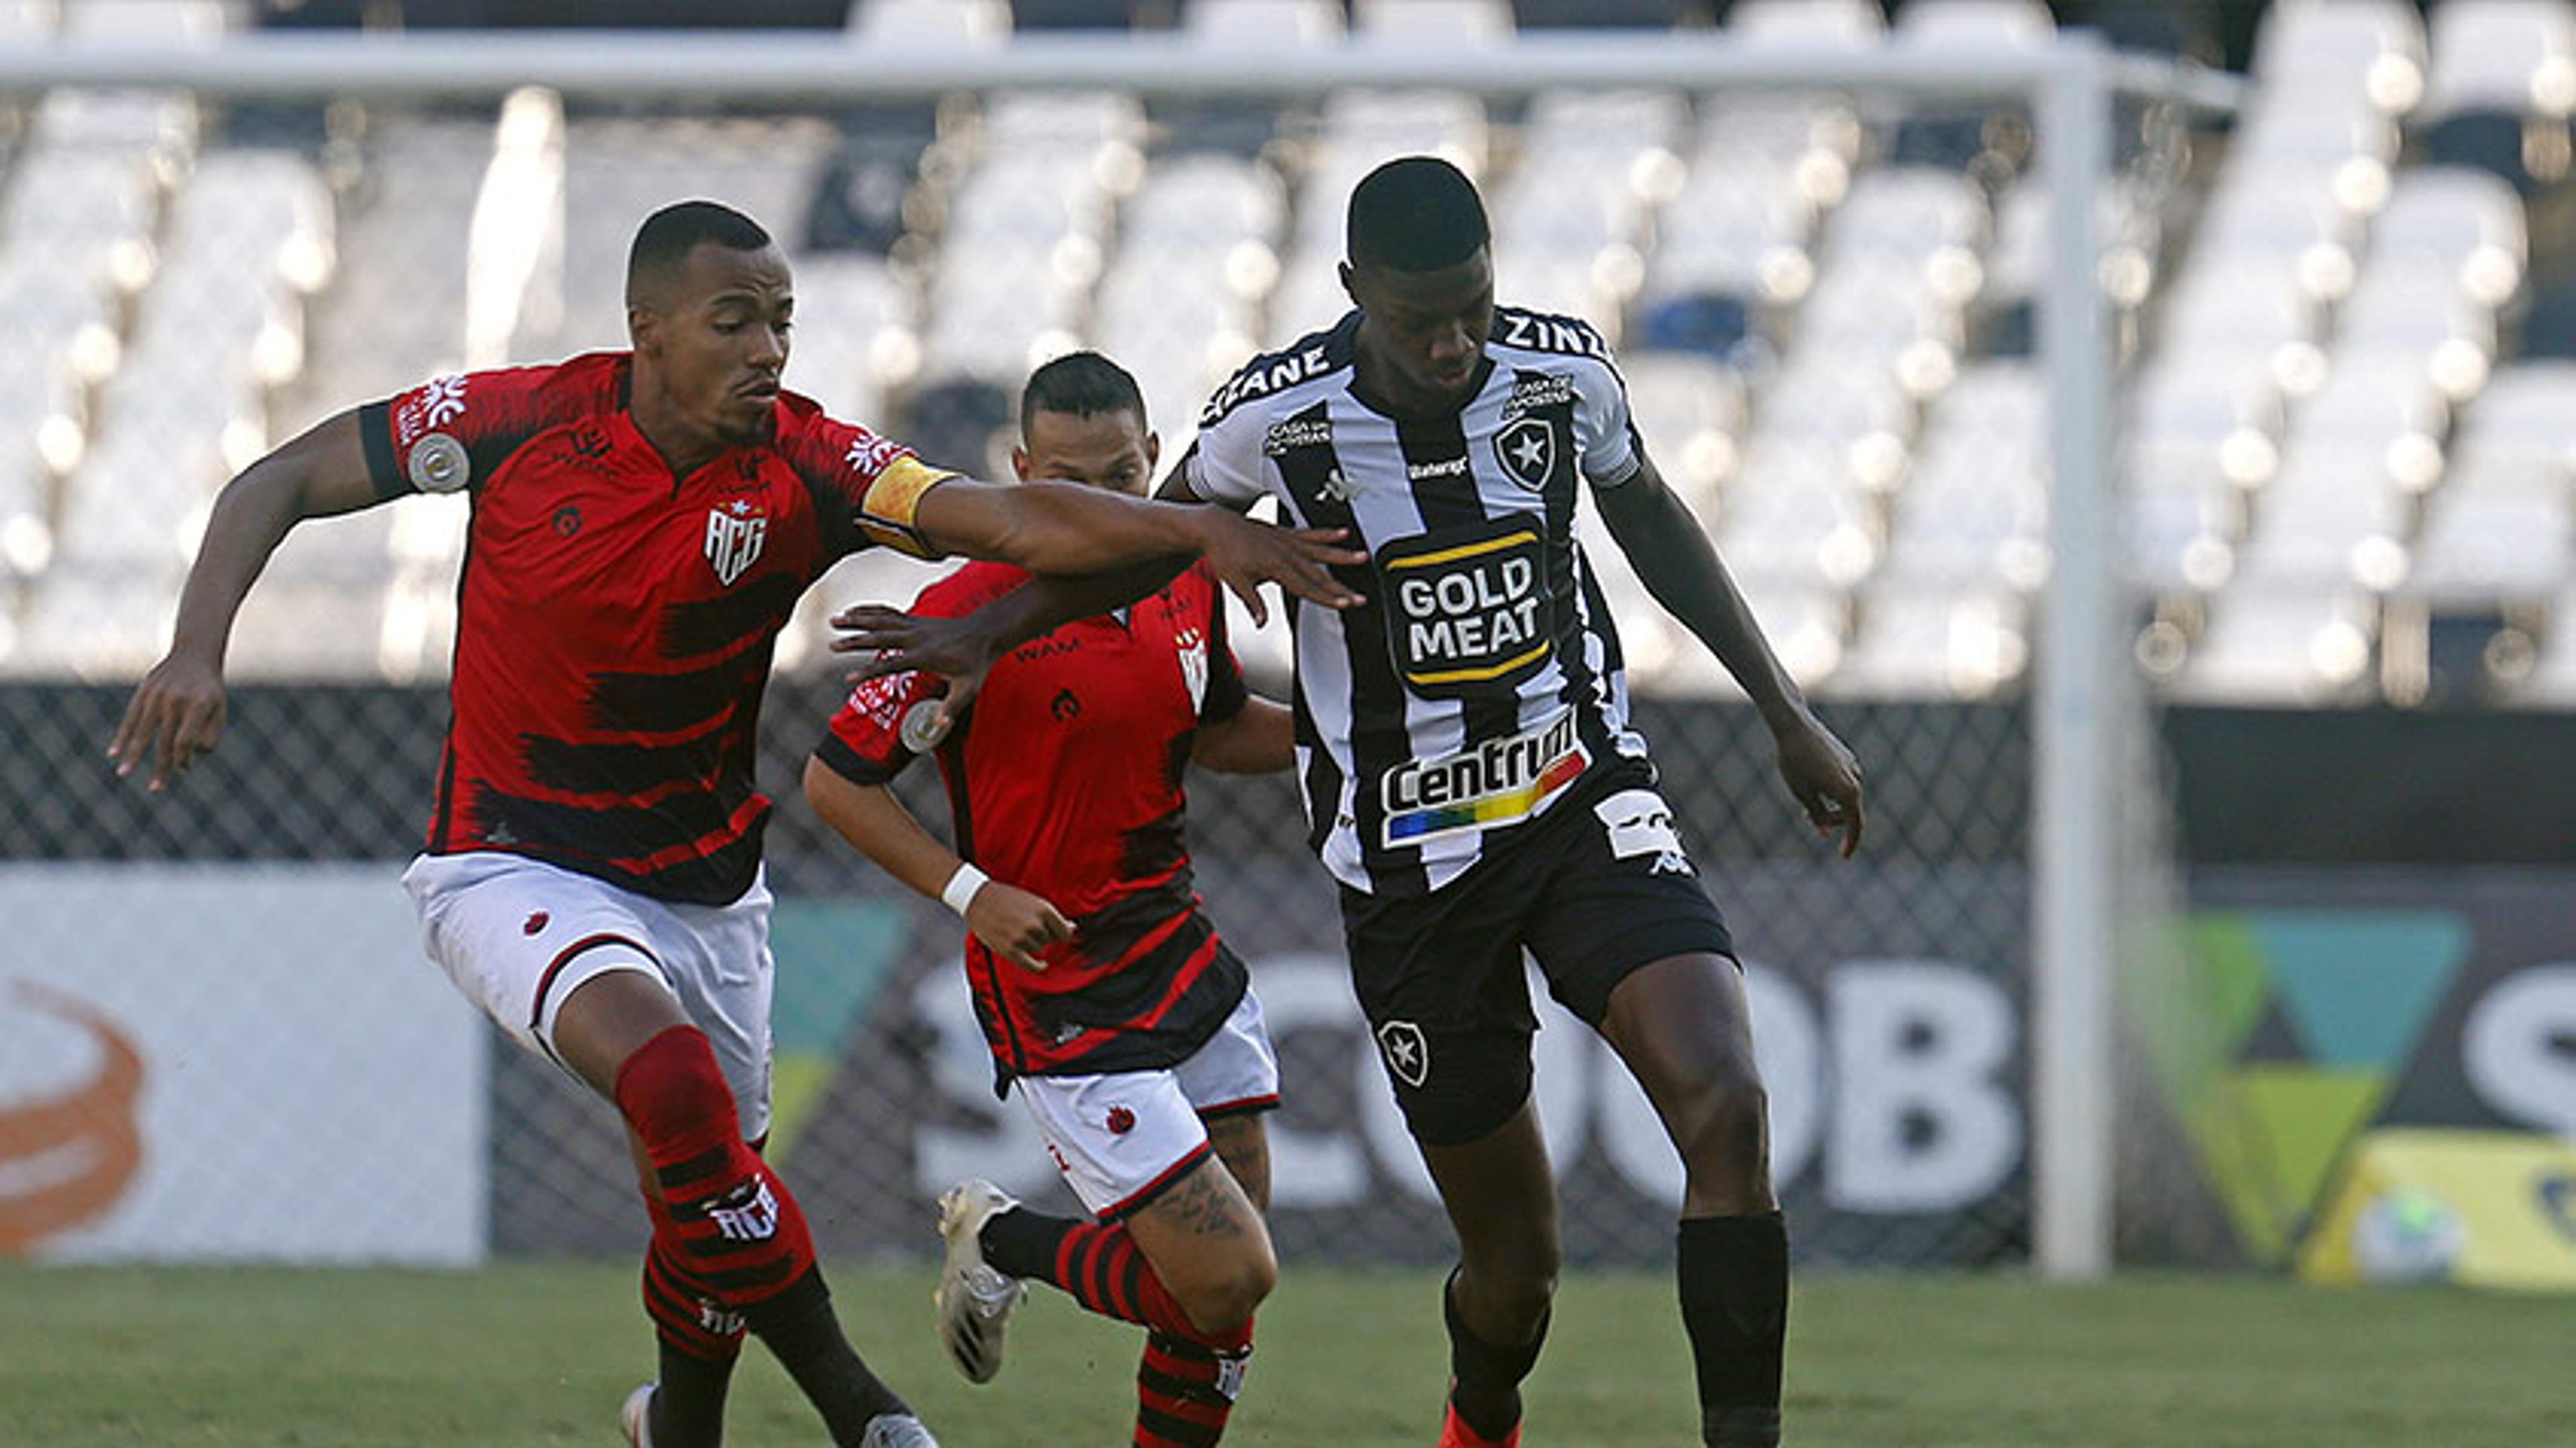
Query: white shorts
column 1120, row 1139
column 518, row 936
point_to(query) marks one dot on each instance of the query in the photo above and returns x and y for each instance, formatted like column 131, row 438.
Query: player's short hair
column 664, row 241
column 1084, row 384
column 1415, row 214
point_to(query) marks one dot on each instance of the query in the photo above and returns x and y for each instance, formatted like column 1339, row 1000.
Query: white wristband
column 960, row 890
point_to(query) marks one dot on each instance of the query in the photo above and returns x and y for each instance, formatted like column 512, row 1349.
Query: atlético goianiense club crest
column 735, row 533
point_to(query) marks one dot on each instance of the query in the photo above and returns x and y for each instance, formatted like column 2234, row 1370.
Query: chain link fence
column 1824, row 311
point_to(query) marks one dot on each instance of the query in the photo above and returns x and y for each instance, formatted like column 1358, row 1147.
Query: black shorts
column 1598, row 887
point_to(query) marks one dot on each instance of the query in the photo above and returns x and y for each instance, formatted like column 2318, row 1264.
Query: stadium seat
column 854, row 334
column 1445, row 23
column 1264, row 22
column 1805, row 23
column 2495, row 57
column 931, row 22
column 2489, row 537
column 1691, row 411
column 2292, row 646
column 1934, row 644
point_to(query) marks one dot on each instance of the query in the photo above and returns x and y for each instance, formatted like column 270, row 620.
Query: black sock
column 1022, row 1243
column 803, row 1334
column 1487, row 1394
column 1734, row 1275
column 688, row 1404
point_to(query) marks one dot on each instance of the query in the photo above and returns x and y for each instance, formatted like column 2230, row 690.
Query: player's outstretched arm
column 1259, row 738
column 963, row 649
column 1680, row 568
column 177, row 713
column 1063, row 528
column 1015, row 923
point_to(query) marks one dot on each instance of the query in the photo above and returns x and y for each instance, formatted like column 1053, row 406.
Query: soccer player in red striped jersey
column 1125, row 1025
column 642, row 524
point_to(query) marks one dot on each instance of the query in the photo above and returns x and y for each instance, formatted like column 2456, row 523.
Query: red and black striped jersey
column 1065, row 779
column 615, row 621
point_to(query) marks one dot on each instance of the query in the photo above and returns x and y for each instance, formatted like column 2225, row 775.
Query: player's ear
column 1350, row 281
column 1020, row 462
column 644, row 329
column 1153, row 453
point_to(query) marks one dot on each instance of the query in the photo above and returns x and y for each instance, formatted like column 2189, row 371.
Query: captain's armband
column 886, row 514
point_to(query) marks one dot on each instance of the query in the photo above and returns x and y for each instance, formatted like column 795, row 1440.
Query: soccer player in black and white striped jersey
column 1469, row 773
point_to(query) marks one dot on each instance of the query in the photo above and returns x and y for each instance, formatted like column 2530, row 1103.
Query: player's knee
column 1725, row 1125
column 1229, row 1295
column 673, row 1086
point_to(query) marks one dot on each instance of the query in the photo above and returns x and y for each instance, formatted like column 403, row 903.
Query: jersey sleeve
column 453, row 433
column 864, row 743
column 1604, row 433
column 1223, row 464
column 1226, row 692
column 873, row 484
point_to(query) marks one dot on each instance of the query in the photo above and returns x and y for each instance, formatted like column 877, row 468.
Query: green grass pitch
column 542, row 1354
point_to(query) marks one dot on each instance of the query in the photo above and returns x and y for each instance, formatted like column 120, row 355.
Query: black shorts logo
column 1469, row 610
column 1408, row 1054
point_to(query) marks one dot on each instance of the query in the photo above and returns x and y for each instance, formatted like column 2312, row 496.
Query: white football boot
column 975, row 1299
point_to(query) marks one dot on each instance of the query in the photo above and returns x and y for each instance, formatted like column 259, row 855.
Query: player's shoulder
column 1544, row 335
column 586, row 385
column 968, row 588
column 1286, row 376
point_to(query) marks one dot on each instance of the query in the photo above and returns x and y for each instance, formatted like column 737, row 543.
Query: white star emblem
column 740, row 507
column 1531, row 451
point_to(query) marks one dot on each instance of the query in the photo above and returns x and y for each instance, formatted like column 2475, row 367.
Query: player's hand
column 1824, row 777
column 176, row 714
column 1245, row 553
column 1016, row 924
column 959, row 650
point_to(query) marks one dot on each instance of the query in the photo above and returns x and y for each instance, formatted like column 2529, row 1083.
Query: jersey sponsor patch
column 440, row 464
column 1290, row 434
column 1499, row 782
column 1470, row 608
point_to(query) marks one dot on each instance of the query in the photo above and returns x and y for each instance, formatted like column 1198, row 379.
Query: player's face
column 723, row 341
column 1110, row 450
column 1424, row 332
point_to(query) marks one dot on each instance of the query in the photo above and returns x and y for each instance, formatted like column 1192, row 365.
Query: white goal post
column 2082, row 692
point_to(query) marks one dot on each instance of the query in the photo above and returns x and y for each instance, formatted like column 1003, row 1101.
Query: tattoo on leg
column 1200, row 1205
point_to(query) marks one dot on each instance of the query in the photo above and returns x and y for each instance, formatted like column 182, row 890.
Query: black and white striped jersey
column 1481, row 681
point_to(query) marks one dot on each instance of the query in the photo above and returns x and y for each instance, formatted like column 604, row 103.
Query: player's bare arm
column 1015, row 923
column 1061, row 528
column 177, row 712
column 962, row 650
column 1260, row 738
column 1680, row 568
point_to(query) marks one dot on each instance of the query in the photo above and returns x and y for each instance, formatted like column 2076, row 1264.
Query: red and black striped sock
column 734, row 1225
column 1185, row 1390
column 735, row 1229
column 699, row 1338
column 1098, row 1264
